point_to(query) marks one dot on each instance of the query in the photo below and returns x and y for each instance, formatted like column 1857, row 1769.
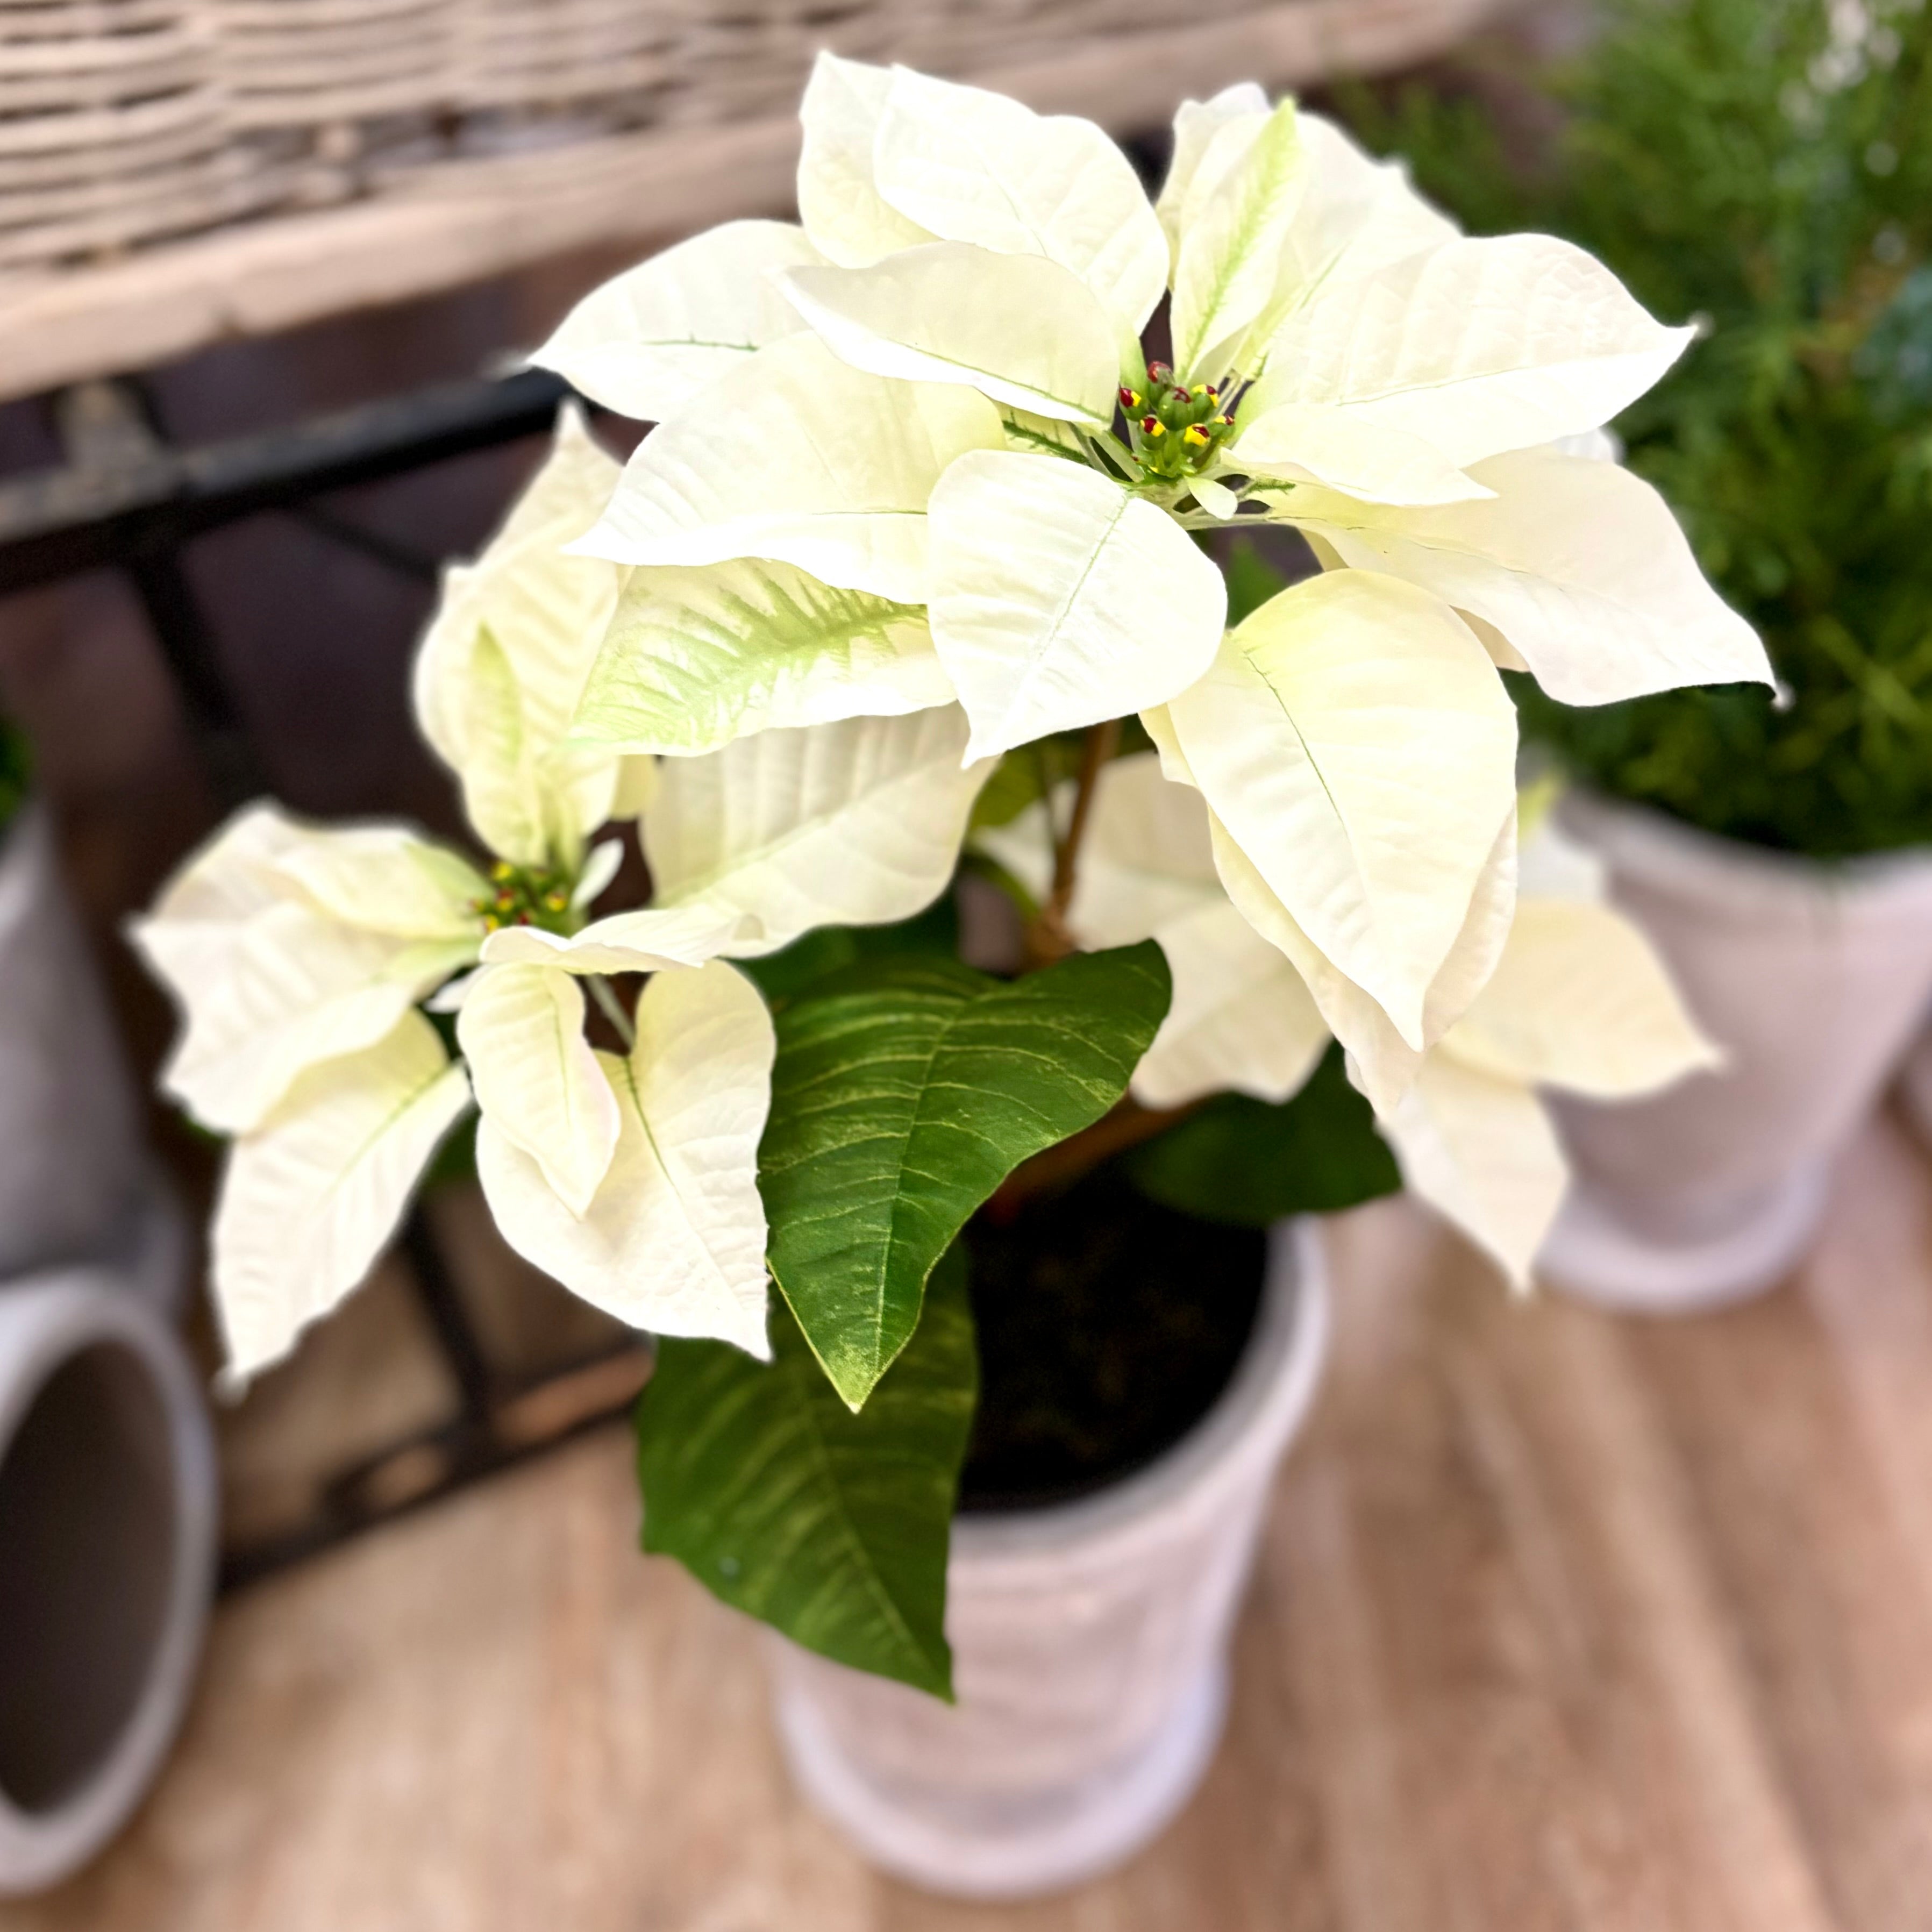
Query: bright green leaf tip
column 904, row 1092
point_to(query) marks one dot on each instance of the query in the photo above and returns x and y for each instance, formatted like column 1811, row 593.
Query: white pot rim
column 1260, row 1409
column 1733, row 879
column 46, row 1321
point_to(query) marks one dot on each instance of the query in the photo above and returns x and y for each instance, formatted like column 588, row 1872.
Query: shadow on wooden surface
column 1562, row 1622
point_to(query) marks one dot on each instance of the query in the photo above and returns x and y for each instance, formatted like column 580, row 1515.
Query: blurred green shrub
column 1766, row 165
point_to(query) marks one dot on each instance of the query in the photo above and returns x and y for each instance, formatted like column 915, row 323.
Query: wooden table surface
column 1561, row 1621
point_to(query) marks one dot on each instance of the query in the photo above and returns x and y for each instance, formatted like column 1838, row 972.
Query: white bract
column 916, row 500
column 300, row 955
column 1241, row 1018
column 1577, row 1001
column 1344, row 362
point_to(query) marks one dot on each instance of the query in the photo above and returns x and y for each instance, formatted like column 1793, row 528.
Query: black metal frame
column 127, row 500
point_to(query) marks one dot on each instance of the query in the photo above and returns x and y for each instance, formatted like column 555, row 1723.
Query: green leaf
column 1036, row 771
column 1025, row 773
column 831, row 1527
column 1252, row 581
column 1242, row 1161
column 904, row 1094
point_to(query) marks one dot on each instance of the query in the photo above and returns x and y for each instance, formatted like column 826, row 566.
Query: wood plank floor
column 1561, row 1622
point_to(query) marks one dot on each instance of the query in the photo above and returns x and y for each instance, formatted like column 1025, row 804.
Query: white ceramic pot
column 1915, row 1087
column 76, row 1185
column 1814, row 977
column 107, row 1545
column 1089, row 1645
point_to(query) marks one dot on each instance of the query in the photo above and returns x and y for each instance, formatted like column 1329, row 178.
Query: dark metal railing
column 127, row 500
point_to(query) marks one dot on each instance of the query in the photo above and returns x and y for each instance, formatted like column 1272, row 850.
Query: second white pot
column 1915, row 1087
column 107, row 1544
column 1089, row 1650
column 1814, row 978
column 77, row 1183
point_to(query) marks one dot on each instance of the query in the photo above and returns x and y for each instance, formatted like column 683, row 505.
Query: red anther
column 1149, row 423
column 1158, row 372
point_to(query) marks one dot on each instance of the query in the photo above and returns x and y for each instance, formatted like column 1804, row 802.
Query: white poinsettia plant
column 920, row 508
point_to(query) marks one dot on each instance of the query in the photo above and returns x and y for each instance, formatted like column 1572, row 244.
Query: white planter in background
column 1915, row 1086
column 1089, row 1645
column 1814, row 977
column 107, row 1472
column 76, row 1184
column 107, row 1544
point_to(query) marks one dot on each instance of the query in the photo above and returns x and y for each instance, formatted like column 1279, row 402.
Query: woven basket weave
column 544, row 56
column 302, row 64
column 113, row 128
column 125, row 121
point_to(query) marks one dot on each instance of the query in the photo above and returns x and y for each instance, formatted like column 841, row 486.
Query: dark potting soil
column 1107, row 1326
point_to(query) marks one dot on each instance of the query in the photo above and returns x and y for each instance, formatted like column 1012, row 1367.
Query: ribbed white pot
column 1814, row 977
column 1090, row 1646
column 107, row 1542
column 75, row 1182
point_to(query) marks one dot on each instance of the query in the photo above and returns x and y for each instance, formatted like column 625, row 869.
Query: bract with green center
column 694, row 658
column 500, row 670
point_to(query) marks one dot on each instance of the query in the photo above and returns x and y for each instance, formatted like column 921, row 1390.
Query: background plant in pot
column 107, row 1484
column 917, row 537
column 1768, row 167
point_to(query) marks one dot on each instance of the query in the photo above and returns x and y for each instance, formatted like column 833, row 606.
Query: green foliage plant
column 1765, row 167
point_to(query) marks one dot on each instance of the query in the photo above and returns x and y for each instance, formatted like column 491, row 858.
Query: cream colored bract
column 299, row 956
column 1572, row 998
column 917, row 499
column 1345, row 362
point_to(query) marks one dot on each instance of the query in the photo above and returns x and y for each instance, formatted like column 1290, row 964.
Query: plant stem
column 1123, row 458
column 1126, row 1125
column 1103, row 741
column 1048, row 939
column 605, row 995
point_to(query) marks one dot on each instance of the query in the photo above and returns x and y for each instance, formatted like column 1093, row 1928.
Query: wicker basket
column 310, row 64
column 112, row 129
column 538, row 57
column 472, row 137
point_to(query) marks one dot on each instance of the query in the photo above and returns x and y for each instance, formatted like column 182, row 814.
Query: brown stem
column 1126, row 1125
column 1048, row 939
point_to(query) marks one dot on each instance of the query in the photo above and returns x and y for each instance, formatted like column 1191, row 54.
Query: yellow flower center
column 1174, row 429
column 527, row 896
